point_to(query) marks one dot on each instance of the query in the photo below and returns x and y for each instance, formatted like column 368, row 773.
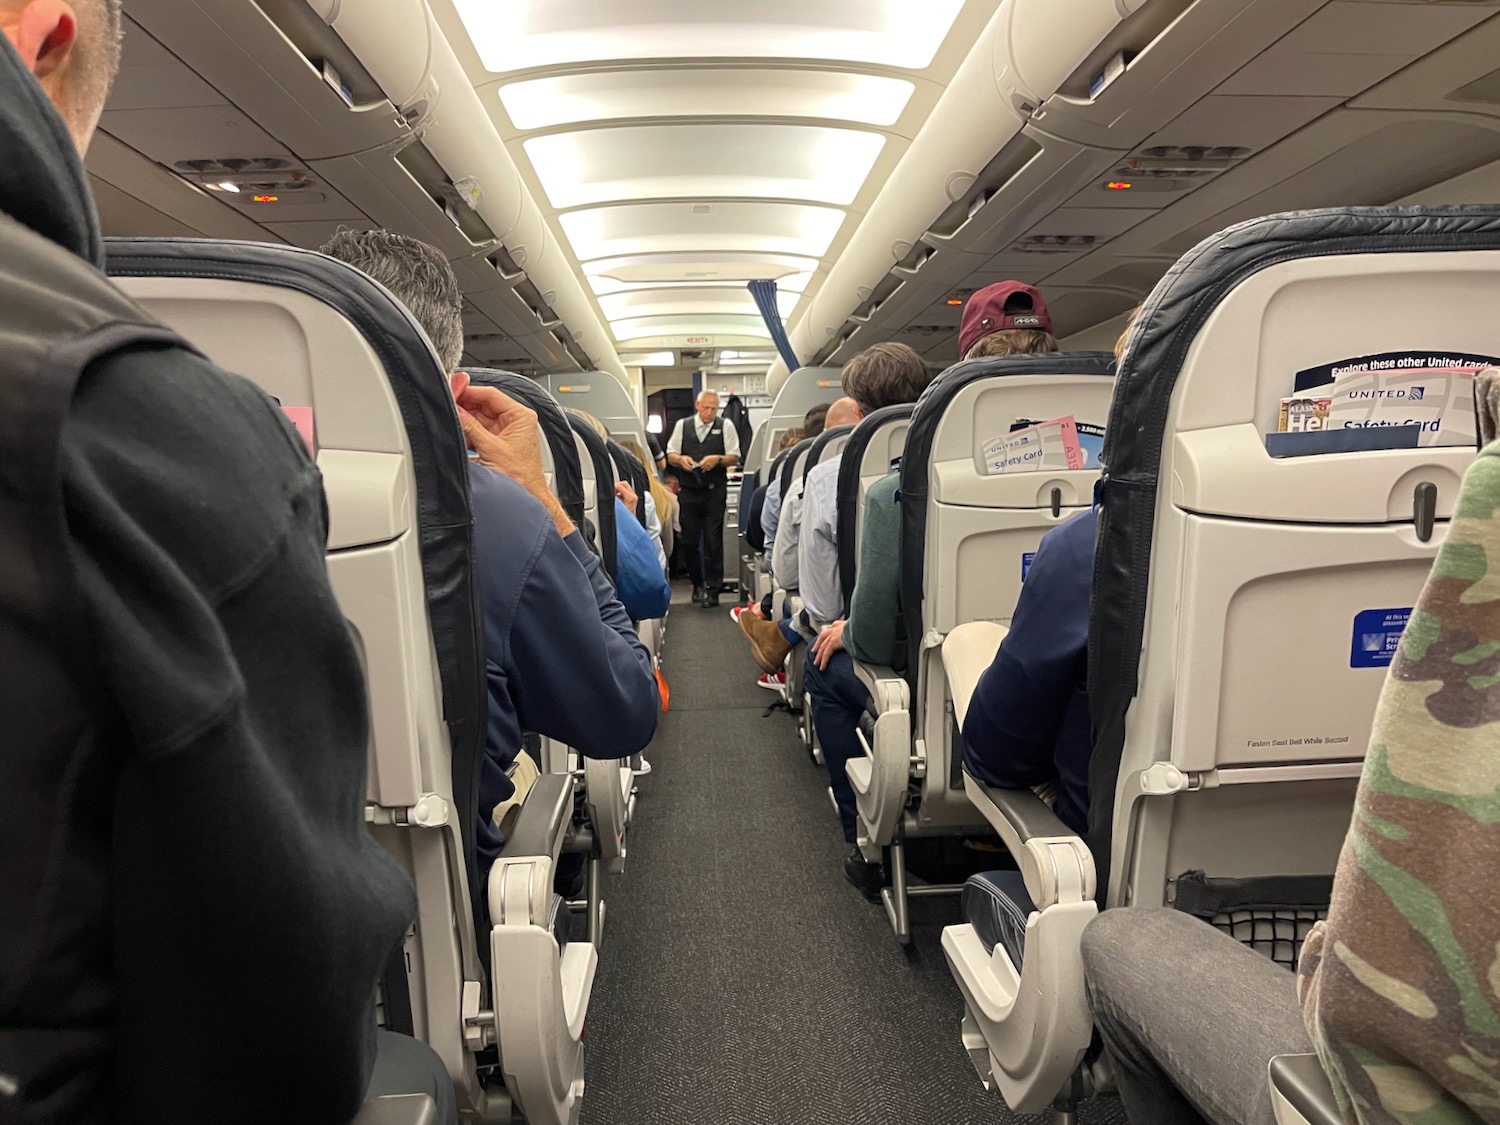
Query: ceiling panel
column 511, row 35
column 653, row 327
column 757, row 161
column 707, row 302
column 569, row 99
column 642, row 228
column 607, row 275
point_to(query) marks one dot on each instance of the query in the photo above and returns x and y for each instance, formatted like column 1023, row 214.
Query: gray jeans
column 1191, row 1018
column 404, row 1065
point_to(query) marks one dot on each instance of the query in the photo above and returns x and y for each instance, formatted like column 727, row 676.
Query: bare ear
column 44, row 34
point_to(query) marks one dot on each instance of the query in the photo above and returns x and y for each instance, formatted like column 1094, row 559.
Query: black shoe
column 866, row 877
column 697, row 595
column 710, row 601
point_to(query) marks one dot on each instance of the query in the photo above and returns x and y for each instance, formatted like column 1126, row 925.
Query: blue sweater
column 561, row 656
column 1028, row 722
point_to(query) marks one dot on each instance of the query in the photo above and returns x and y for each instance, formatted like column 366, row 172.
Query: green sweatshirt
column 870, row 635
column 1401, row 986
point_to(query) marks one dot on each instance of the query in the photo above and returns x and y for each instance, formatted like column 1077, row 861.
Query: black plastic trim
column 567, row 474
column 604, row 485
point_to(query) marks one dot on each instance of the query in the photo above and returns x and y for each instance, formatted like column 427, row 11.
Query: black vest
column 57, row 313
column 713, row 445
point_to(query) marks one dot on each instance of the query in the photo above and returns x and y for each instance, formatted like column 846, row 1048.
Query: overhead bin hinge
column 1424, row 509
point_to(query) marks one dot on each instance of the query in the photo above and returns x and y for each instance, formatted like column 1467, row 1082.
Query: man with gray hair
column 703, row 450
column 192, row 913
column 554, row 631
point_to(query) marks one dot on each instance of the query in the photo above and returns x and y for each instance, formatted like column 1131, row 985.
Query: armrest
column 1302, row 1082
column 967, row 651
column 1056, row 864
column 399, row 1109
column 543, row 822
column 887, row 687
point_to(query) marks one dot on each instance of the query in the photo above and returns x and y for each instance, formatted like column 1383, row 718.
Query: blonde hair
column 1013, row 341
column 1135, row 314
column 659, row 495
column 789, row 439
column 590, row 421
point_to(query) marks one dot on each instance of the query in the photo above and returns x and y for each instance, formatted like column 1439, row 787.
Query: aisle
column 742, row 981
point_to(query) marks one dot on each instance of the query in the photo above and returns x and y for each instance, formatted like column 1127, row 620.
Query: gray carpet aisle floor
column 741, row 979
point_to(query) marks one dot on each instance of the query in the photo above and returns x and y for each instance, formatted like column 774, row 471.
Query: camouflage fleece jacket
column 1401, row 986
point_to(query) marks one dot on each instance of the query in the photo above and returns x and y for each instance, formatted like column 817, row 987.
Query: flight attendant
column 702, row 449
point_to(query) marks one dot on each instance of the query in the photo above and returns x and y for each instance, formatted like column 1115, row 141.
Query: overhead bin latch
column 1056, row 502
column 1424, row 509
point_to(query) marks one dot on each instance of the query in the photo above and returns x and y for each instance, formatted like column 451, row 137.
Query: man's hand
column 710, row 462
column 503, row 433
column 627, row 494
column 830, row 641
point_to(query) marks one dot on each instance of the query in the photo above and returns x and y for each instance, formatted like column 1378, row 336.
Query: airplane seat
column 599, row 490
column 873, row 450
column 1250, row 587
column 559, row 448
column 360, row 381
column 973, row 510
column 764, row 582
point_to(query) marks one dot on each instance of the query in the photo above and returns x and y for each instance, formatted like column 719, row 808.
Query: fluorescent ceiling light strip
column 511, row 35
column 815, row 163
column 570, row 99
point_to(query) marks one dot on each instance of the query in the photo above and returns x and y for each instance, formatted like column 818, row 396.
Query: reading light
column 226, row 185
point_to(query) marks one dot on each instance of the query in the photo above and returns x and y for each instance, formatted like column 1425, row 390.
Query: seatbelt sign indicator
column 1377, row 636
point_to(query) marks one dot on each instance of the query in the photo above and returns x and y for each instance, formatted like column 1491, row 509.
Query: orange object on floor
column 663, row 690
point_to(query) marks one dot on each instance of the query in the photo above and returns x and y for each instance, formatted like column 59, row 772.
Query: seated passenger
column 770, row 642
column 555, row 635
column 192, row 914
column 884, row 375
column 1006, row 318
column 658, row 501
column 1028, row 721
column 1398, row 986
column 813, row 423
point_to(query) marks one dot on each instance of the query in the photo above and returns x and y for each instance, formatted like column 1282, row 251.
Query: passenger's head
column 885, row 375
column 814, row 420
column 590, row 421
column 673, row 483
column 418, row 275
column 844, row 412
column 1007, row 318
column 73, row 49
column 707, row 405
column 789, row 439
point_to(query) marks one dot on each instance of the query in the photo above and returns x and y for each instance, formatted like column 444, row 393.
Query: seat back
column 969, row 530
column 560, row 457
column 792, row 464
column 633, row 473
column 825, row 447
column 1245, row 606
column 803, row 389
column 598, row 489
column 872, row 451
column 351, row 367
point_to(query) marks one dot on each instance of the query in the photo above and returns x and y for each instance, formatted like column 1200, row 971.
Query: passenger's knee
column 1124, row 936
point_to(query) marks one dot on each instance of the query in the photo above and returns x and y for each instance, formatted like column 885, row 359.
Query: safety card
column 1035, row 447
column 1392, row 400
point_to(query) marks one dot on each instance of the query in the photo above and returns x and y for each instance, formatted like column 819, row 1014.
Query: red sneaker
column 771, row 681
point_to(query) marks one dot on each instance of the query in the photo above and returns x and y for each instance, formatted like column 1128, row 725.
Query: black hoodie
column 192, row 930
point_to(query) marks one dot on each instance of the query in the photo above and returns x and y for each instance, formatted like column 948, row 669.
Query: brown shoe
column 766, row 642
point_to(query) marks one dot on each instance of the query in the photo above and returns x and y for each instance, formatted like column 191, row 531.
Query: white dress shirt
column 701, row 428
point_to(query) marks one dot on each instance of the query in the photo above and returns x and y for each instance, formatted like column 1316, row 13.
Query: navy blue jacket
column 561, row 656
column 1028, row 722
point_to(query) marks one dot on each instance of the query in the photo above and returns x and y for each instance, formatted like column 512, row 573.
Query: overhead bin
column 480, row 175
column 268, row 60
column 982, row 110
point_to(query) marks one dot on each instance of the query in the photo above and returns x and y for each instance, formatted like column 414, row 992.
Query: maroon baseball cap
column 1006, row 304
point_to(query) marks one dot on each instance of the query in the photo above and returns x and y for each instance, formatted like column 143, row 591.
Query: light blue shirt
column 770, row 515
column 818, row 544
